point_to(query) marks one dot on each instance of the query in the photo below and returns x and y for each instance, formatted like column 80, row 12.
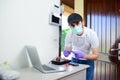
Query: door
column 103, row 16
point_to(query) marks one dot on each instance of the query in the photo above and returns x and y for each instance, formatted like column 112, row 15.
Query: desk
column 72, row 73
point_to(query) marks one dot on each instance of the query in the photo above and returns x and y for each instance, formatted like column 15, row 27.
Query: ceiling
column 70, row 3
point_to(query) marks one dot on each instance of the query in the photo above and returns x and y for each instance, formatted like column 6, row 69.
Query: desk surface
column 33, row 74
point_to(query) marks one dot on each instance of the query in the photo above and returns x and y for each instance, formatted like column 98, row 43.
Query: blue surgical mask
column 77, row 29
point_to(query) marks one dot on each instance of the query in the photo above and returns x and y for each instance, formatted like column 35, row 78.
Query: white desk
column 72, row 73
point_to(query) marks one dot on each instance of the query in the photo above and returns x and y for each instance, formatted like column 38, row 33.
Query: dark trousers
column 90, row 70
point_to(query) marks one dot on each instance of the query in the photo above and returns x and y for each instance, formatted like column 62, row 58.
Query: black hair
column 74, row 18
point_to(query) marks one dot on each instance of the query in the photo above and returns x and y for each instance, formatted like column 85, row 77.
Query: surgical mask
column 77, row 29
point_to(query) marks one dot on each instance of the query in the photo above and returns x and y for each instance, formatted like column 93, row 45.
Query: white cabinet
column 81, row 75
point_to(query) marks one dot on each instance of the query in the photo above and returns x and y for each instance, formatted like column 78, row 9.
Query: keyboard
column 45, row 67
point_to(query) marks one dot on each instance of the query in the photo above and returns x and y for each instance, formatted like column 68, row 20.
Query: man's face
column 77, row 28
column 75, row 24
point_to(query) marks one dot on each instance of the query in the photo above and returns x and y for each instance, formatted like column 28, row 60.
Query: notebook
column 36, row 63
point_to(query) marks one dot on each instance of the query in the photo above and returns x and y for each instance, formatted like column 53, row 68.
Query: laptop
column 36, row 63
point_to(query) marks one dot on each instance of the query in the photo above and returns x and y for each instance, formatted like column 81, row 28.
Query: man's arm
column 92, row 56
column 94, row 46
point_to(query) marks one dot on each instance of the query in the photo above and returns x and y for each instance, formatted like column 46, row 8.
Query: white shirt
column 82, row 43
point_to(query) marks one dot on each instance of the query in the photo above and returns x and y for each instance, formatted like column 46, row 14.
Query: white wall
column 25, row 22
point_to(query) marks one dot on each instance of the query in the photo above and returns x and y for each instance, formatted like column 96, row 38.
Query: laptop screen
column 33, row 55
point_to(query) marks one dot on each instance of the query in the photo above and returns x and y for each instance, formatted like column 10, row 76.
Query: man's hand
column 66, row 53
column 79, row 54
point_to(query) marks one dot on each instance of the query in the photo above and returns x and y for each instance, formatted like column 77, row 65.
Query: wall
column 79, row 7
column 67, row 10
column 25, row 22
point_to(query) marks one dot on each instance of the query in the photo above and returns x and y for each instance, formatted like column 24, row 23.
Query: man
column 82, row 42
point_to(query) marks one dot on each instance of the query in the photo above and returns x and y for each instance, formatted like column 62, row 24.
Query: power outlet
column 118, row 51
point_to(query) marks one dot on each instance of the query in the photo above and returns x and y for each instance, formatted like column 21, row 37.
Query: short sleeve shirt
column 84, row 43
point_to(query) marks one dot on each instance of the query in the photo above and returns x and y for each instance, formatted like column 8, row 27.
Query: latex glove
column 66, row 53
column 79, row 54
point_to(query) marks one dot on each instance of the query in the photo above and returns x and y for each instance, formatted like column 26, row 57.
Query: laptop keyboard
column 45, row 67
